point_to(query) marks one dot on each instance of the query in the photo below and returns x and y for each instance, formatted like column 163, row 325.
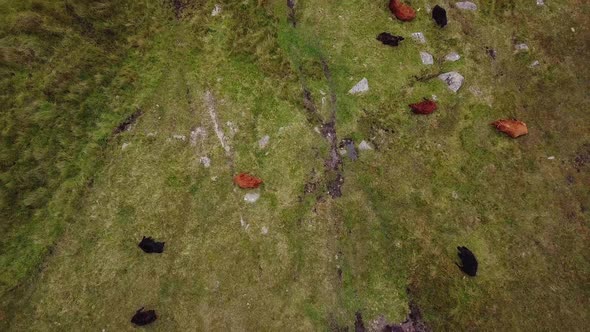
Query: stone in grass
column 348, row 144
column 419, row 37
column 205, row 161
column 179, row 137
column 365, row 146
column 453, row 79
column 216, row 10
column 264, row 142
column 540, row 2
column 342, row 152
column 522, row 47
column 252, row 197
column 360, row 87
column 233, row 129
column 491, row 52
column 535, row 63
column 466, row 5
column 427, row 58
column 198, row 134
column 453, row 56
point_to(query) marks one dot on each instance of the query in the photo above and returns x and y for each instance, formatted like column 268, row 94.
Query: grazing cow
column 424, row 107
column 402, row 11
column 142, row 318
column 439, row 14
column 150, row 246
column 389, row 39
column 468, row 261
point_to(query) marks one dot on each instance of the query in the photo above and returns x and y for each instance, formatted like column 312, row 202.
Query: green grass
column 74, row 203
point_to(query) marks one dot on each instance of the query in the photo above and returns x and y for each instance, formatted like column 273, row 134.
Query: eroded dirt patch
column 126, row 125
column 178, row 7
column 313, row 117
column 86, row 25
column 582, row 158
column 314, row 182
column 414, row 322
column 291, row 16
column 359, row 325
column 333, row 163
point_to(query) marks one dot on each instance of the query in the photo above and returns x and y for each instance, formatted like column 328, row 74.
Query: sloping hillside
column 124, row 119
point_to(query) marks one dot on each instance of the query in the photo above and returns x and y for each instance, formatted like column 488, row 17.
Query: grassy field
column 76, row 196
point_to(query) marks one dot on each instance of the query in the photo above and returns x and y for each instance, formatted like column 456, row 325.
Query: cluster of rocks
column 453, row 79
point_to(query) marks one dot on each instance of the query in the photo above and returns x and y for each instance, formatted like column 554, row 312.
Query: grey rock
column 197, row 134
column 427, row 58
column 243, row 223
column 453, row 56
column 350, row 149
column 492, row 53
column 361, row 87
column 252, row 197
column 233, row 129
column 522, row 47
column 453, row 79
column 540, row 2
column 205, row 161
column 216, row 11
column 264, row 142
column 419, row 37
column 466, row 5
column 365, row 146
column 179, row 137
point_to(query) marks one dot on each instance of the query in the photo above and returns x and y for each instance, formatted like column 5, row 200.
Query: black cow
column 468, row 261
column 150, row 246
column 439, row 14
column 142, row 318
column 389, row 39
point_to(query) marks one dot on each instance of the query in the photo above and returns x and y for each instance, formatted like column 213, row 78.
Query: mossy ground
column 70, row 261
